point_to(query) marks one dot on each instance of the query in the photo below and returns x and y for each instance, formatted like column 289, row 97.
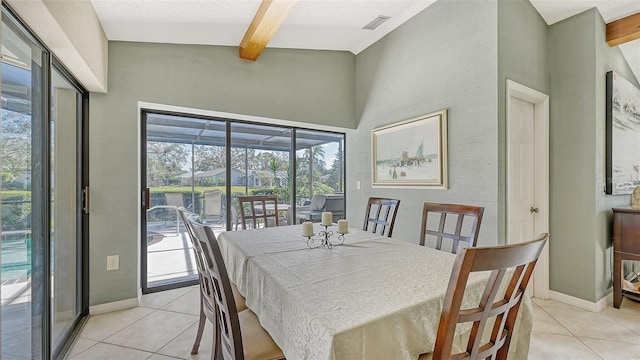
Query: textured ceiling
column 553, row 11
column 312, row 24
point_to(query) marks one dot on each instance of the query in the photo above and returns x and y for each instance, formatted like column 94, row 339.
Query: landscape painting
column 623, row 135
column 411, row 153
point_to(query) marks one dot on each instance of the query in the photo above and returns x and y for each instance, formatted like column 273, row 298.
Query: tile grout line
column 558, row 321
column 633, row 331
column 181, row 313
column 590, row 349
column 587, row 337
column 168, row 342
column 102, row 341
column 148, row 351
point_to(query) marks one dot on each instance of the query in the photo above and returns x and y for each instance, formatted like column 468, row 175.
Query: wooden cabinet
column 626, row 246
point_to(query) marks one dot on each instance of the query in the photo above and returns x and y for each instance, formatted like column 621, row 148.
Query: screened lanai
column 205, row 164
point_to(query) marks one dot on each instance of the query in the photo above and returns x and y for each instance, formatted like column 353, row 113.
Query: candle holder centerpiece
column 326, row 234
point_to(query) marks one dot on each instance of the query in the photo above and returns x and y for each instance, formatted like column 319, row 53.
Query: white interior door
column 527, row 175
column 522, row 169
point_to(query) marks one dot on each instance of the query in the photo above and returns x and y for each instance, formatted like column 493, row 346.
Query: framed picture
column 411, row 152
column 623, row 135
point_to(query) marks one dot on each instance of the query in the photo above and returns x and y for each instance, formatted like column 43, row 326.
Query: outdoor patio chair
column 173, row 201
column 212, row 205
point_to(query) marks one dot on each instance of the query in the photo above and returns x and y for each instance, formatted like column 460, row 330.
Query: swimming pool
column 16, row 259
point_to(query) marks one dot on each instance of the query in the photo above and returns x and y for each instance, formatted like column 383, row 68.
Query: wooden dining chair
column 511, row 263
column 207, row 307
column 240, row 333
column 380, row 215
column 259, row 209
column 442, row 228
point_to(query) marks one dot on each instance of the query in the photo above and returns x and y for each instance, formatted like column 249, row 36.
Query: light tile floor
column 164, row 326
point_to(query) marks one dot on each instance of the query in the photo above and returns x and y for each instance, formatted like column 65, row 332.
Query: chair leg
column 201, row 323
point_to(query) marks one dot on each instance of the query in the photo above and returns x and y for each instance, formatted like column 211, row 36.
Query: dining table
column 372, row 297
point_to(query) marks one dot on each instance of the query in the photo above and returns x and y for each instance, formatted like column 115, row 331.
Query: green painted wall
column 443, row 58
column 455, row 55
column 607, row 59
column 580, row 212
column 313, row 87
column 522, row 57
column 572, row 149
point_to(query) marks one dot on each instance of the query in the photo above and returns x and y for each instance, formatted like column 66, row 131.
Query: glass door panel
column 185, row 167
column 207, row 173
column 319, row 171
column 23, row 195
column 41, row 225
column 64, row 207
column 260, row 165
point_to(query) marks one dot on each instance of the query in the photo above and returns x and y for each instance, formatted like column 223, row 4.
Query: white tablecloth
column 371, row 298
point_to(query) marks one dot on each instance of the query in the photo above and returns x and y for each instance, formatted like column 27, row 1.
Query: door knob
column 533, row 210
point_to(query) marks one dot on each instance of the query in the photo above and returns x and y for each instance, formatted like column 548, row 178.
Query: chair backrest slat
column 382, row 224
column 514, row 263
column 460, row 213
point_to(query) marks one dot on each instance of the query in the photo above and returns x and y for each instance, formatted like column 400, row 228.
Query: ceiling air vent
column 376, row 22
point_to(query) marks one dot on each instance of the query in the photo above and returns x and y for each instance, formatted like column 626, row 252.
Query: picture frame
column 622, row 135
column 411, row 153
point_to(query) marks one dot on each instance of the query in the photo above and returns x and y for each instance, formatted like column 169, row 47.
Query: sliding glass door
column 42, row 220
column 24, row 194
column 206, row 164
column 185, row 167
column 65, row 211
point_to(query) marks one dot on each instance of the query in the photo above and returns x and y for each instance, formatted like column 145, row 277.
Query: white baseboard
column 114, row 306
column 580, row 303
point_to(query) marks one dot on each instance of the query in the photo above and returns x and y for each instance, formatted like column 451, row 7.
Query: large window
column 206, row 164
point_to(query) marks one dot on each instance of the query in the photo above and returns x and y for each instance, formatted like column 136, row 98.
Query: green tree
column 310, row 173
column 317, row 169
column 164, row 161
column 262, row 160
column 316, row 155
column 274, row 166
column 336, row 172
column 16, row 145
column 208, row 157
column 215, row 157
column 238, row 158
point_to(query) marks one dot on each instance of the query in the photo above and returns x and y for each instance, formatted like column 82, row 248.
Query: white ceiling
column 553, row 11
column 312, row 24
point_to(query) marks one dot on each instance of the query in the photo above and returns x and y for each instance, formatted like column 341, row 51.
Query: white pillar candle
column 343, row 226
column 307, row 229
column 327, row 218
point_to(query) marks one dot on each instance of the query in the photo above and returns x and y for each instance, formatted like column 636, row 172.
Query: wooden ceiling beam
column 264, row 26
column 623, row 30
